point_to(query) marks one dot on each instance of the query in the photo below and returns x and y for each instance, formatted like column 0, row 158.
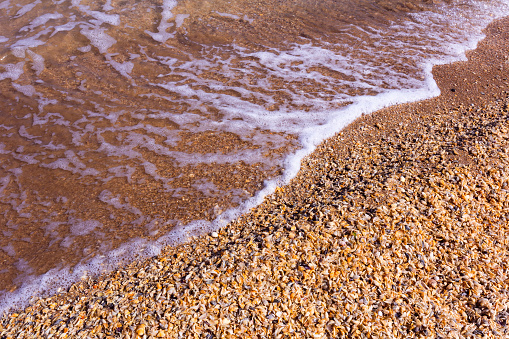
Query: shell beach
column 395, row 228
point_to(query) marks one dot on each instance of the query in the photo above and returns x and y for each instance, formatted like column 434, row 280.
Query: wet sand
column 396, row 227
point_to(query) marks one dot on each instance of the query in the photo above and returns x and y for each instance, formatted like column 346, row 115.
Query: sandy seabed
column 397, row 227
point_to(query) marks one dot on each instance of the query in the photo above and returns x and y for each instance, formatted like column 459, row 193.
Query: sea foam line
column 59, row 279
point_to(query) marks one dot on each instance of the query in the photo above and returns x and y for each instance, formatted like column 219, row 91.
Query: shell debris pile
column 406, row 237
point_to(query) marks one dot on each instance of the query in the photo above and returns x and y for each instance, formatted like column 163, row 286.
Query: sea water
column 126, row 126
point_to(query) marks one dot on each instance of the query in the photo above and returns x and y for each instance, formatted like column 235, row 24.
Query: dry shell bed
column 406, row 237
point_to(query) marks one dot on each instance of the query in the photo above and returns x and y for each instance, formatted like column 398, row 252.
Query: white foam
column 98, row 37
column 44, row 101
column 179, row 19
column 13, row 71
column 64, row 28
column 67, row 242
column 120, row 172
column 23, row 266
column 107, row 6
column 27, row 90
column 20, row 46
column 228, row 15
column 27, row 8
column 27, row 158
column 6, row 4
column 83, row 227
column 4, row 181
column 112, row 19
column 248, row 156
column 71, row 163
column 41, row 20
column 3, row 39
column 124, row 68
column 9, row 249
column 51, row 227
column 246, row 18
column 37, row 62
column 116, row 201
column 85, row 49
column 162, row 35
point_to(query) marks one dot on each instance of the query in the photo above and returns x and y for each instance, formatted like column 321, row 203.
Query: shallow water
column 123, row 120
